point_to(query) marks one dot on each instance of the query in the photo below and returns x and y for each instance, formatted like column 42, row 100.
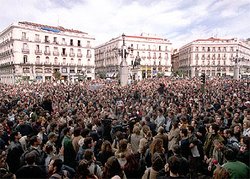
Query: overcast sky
column 180, row 21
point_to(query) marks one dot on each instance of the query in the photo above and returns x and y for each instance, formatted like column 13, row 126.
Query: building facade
column 30, row 51
column 175, row 61
column 153, row 54
column 214, row 57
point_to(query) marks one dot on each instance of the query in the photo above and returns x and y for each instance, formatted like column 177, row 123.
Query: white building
column 154, row 54
column 214, row 57
column 30, row 51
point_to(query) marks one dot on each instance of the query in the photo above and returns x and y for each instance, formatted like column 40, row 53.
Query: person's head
column 88, row 142
column 122, row 147
column 218, row 144
column 194, row 123
column 156, row 146
column 106, row 146
column 77, row 132
column 176, row 149
column 157, row 162
column 160, row 130
column 246, row 124
column 214, row 128
column 173, row 164
column 112, row 167
column 35, row 141
column 221, row 172
column 48, row 149
column 136, row 130
column 15, row 136
column 82, row 170
column 227, row 133
column 183, row 132
column 66, row 131
column 55, row 165
column 229, row 155
column 190, row 129
column 89, row 155
column 3, row 157
column 52, row 137
column 30, row 158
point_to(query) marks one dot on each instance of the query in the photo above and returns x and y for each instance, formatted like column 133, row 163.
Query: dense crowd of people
column 155, row 128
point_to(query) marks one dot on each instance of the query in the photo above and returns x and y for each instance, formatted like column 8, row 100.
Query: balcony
column 88, row 56
column 56, row 53
column 38, row 52
column 72, row 55
column 79, row 55
column 64, row 54
column 25, row 51
column 46, row 52
column 46, row 41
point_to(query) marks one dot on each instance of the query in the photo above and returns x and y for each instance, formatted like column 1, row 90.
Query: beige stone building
column 30, row 51
column 214, row 57
column 154, row 54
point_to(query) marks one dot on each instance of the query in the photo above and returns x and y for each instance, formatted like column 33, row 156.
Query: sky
column 180, row 21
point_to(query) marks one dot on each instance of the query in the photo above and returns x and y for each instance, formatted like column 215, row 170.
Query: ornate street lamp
column 123, row 52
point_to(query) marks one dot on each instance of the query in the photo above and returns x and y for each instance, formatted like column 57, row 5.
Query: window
column 23, row 35
column 208, row 49
column 25, row 59
column 79, row 51
column 225, row 49
column 25, row 46
column 71, row 41
column 37, row 48
column 203, row 49
column 63, row 41
column 47, row 49
column 231, row 49
column 63, row 51
column 47, row 60
column 88, row 43
column 56, row 49
column 55, row 60
column 219, row 49
column 197, row 49
column 37, row 38
column 159, row 48
column 46, row 39
column 79, row 43
column 37, row 59
column 213, row 49
column 71, row 50
column 64, row 61
column 55, row 40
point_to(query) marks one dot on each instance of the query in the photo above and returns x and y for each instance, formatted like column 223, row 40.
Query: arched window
column 37, row 60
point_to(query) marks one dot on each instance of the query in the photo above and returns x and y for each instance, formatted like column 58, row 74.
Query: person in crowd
column 82, row 171
column 30, row 170
column 88, row 144
column 135, row 139
column 105, row 153
column 113, row 168
column 55, row 170
column 173, row 137
column 69, row 153
column 94, row 168
column 15, row 151
column 235, row 168
column 157, row 165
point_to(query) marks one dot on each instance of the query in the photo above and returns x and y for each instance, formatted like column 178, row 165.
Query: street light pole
column 236, row 67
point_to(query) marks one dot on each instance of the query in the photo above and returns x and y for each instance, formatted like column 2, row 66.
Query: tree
column 57, row 75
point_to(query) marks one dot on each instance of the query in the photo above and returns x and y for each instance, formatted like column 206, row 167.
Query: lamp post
column 123, row 52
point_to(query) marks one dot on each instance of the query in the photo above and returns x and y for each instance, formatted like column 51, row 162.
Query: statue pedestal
column 123, row 73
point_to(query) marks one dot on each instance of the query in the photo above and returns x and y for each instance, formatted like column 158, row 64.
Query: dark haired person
column 55, row 169
column 30, row 170
column 235, row 168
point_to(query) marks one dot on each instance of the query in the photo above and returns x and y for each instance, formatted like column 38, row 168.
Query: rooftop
column 51, row 28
